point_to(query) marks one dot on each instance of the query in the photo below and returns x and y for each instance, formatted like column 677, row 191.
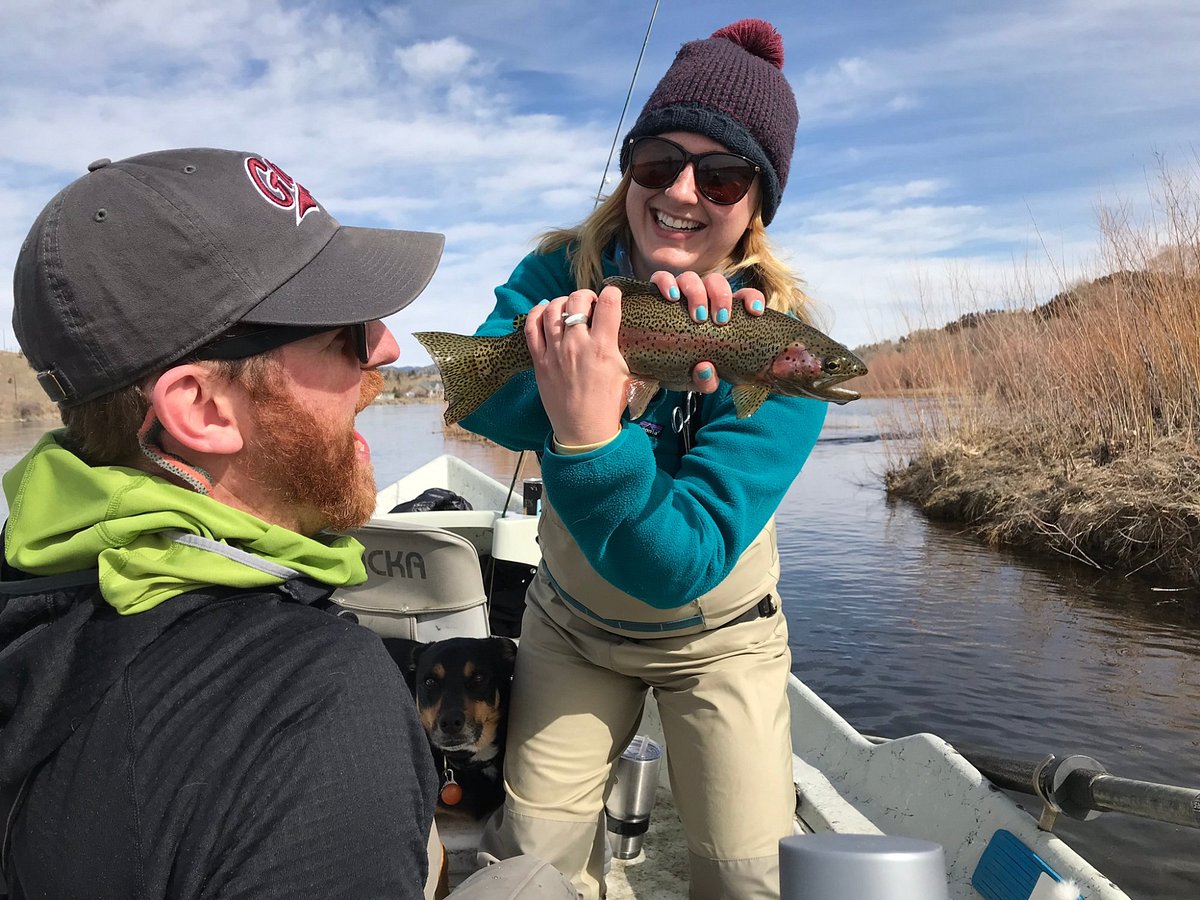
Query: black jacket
column 222, row 744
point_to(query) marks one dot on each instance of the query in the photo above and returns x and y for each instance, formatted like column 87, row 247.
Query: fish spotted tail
column 473, row 368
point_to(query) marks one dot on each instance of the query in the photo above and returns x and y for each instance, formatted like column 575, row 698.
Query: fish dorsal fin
column 747, row 398
column 639, row 393
column 631, row 285
column 519, row 322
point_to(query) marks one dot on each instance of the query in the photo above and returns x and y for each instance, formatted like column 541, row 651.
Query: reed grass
column 1074, row 425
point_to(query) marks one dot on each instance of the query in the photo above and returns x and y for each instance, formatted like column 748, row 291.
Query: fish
column 758, row 355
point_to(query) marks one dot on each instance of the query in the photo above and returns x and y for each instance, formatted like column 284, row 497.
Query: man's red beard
column 310, row 464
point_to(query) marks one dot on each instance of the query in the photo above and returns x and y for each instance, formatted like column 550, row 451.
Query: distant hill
column 409, row 383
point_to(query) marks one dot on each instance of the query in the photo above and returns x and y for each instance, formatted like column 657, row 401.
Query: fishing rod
column 624, row 109
column 603, row 178
column 1081, row 788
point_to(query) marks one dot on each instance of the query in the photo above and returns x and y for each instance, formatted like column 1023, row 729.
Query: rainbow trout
column 661, row 343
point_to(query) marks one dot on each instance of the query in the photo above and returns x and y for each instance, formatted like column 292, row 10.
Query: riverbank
column 1069, row 427
column 21, row 397
column 25, row 401
column 1132, row 515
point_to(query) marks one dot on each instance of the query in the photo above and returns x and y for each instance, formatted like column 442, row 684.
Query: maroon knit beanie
column 730, row 88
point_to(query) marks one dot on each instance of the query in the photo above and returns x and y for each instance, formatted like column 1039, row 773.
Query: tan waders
column 577, row 701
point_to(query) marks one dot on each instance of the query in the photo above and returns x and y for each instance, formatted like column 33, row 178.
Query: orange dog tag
column 452, row 792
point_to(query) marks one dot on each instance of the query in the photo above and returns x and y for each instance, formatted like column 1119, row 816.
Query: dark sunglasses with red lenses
column 724, row 178
column 244, row 342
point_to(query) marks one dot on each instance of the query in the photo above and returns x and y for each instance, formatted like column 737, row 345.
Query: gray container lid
column 874, row 866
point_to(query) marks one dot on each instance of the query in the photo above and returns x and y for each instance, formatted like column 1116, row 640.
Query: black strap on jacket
column 10, row 806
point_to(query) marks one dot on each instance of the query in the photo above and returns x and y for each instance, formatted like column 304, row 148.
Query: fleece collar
column 151, row 540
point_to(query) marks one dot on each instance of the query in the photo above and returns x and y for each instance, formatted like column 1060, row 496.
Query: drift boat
column 449, row 552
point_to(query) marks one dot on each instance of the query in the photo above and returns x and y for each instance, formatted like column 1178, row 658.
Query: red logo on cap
column 279, row 188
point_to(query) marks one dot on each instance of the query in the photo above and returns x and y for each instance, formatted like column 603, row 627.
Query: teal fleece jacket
column 660, row 525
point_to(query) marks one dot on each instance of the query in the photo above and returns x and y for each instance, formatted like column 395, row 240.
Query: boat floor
column 659, row 871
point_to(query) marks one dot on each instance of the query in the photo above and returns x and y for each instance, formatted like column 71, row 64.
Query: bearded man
column 180, row 713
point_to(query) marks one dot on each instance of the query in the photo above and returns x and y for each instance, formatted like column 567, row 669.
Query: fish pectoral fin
column 638, row 394
column 747, row 398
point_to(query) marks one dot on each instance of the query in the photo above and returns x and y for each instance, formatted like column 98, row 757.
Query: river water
column 904, row 625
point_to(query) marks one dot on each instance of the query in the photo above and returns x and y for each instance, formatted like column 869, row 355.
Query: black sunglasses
column 240, row 343
column 724, row 178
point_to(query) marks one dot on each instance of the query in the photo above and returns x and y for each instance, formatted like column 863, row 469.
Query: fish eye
column 833, row 365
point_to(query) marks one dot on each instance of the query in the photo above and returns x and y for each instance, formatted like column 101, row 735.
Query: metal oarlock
column 1081, row 788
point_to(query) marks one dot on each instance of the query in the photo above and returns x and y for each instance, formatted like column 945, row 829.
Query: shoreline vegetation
column 1071, row 427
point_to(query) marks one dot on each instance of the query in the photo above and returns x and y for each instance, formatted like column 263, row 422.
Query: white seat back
column 423, row 583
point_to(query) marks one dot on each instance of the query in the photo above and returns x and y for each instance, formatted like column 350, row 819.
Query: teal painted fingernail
column 705, row 373
column 701, row 313
column 722, row 316
column 543, row 302
column 757, row 306
column 673, row 293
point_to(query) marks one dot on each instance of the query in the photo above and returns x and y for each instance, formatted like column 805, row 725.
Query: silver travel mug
column 632, row 798
column 879, row 866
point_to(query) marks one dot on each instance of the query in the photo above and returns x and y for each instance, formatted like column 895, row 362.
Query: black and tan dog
column 462, row 687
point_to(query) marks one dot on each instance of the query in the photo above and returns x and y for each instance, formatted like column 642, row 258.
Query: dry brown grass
column 21, row 397
column 1073, row 426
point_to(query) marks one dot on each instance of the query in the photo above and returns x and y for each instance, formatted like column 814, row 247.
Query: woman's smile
column 676, row 228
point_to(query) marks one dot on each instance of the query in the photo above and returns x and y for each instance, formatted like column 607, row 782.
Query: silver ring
column 575, row 319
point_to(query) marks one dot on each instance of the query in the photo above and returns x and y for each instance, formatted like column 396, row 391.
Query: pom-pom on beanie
column 730, row 87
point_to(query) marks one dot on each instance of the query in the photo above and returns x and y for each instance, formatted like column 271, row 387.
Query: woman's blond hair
column 752, row 260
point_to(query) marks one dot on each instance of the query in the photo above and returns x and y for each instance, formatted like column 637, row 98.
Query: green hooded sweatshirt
column 67, row 516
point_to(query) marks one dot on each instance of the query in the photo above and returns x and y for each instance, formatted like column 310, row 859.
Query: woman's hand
column 580, row 371
column 708, row 298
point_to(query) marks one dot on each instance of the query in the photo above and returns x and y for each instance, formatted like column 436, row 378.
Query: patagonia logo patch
column 653, row 429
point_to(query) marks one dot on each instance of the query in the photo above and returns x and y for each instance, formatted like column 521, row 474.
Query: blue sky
column 951, row 155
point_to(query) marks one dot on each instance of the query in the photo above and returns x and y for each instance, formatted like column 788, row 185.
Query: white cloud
column 892, row 194
column 435, row 60
column 902, row 103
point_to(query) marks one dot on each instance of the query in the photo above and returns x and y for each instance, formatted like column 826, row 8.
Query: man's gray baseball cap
column 139, row 262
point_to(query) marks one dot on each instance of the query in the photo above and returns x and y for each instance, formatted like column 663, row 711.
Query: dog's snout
column 451, row 720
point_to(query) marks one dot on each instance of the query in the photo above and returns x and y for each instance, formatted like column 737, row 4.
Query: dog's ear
column 404, row 653
column 506, row 651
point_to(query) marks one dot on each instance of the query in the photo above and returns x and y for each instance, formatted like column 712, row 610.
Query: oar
column 1081, row 788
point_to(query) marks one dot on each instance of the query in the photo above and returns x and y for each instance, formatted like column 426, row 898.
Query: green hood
column 67, row 516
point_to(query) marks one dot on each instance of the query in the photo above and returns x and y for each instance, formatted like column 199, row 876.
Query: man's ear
column 200, row 410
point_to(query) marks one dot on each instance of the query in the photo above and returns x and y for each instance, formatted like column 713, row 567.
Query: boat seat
column 423, row 583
